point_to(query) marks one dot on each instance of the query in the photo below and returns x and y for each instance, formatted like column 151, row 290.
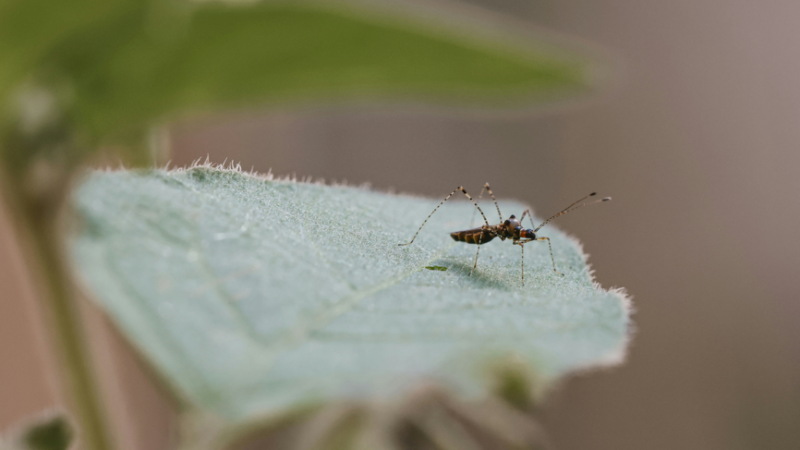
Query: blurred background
column 699, row 144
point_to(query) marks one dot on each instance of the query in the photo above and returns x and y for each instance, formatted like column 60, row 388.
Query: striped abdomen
column 473, row 236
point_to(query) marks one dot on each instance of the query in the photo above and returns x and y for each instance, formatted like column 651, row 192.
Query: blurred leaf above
column 119, row 66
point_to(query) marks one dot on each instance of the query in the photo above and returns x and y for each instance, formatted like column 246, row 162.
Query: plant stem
column 69, row 342
column 36, row 222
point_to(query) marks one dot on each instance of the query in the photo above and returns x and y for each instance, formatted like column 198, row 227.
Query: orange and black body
column 475, row 235
column 510, row 229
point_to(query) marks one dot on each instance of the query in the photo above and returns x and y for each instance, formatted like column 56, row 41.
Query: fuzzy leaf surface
column 253, row 296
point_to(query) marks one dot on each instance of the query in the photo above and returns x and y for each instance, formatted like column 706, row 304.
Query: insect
column 510, row 228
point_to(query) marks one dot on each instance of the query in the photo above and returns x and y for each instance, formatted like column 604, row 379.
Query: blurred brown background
column 700, row 147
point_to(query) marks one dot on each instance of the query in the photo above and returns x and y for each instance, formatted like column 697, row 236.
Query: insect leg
column 522, row 259
column 472, row 219
column 460, row 188
column 480, row 239
column 486, row 188
column 530, row 216
column 551, row 254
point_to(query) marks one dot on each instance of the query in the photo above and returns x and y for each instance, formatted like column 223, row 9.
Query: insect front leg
column 551, row 254
column 522, row 258
column 522, row 243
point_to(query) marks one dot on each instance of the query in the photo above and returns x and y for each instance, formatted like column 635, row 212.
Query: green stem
column 69, row 342
column 37, row 221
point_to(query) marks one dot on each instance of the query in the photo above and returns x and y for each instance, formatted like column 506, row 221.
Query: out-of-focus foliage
column 48, row 432
column 115, row 67
column 31, row 29
column 223, row 56
column 428, row 418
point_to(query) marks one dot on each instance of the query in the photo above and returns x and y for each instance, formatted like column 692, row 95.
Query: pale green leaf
column 254, row 296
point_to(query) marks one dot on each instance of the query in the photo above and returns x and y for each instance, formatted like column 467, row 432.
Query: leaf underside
column 254, row 296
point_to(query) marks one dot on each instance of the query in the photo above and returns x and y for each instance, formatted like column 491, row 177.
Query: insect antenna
column 572, row 207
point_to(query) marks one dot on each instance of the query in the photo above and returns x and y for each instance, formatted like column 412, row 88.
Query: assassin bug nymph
column 506, row 229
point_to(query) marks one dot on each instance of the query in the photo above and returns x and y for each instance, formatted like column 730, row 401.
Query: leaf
column 49, row 431
column 134, row 70
column 84, row 76
column 30, row 29
column 255, row 296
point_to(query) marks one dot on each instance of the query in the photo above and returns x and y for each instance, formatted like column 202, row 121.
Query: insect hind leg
column 460, row 188
column 486, row 187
